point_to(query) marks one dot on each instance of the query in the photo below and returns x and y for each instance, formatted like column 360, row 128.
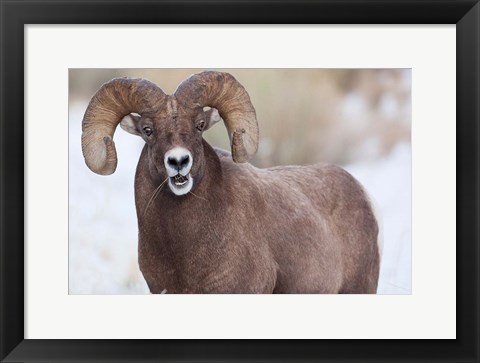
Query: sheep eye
column 147, row 130
column 200, row 125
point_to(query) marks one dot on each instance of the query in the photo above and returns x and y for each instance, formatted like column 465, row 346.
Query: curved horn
column 114, row 100
column 223, row 92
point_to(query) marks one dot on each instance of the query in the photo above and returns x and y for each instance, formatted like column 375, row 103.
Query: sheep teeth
column 180, row 180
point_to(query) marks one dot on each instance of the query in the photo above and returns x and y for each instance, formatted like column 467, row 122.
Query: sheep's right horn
column 223, row 92
column 114, row 100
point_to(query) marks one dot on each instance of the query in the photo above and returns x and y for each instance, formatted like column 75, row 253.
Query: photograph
column 240, row 181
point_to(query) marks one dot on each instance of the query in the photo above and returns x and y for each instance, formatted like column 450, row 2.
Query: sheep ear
column 212, row 117
column 129, row 123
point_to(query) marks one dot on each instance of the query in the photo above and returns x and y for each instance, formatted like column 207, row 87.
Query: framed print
column 72, row 289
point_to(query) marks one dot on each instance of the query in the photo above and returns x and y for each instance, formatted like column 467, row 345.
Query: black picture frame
column 16, row 14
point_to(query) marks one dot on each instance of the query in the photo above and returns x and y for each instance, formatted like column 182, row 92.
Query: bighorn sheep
column 223, row 226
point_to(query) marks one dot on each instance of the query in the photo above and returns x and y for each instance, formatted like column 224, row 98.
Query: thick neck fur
column 163, row 245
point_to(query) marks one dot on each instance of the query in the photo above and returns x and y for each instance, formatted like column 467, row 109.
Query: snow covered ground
column 388, row 181
column 103, row 227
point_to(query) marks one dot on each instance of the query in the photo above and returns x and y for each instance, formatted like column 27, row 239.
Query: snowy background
column 359, row 119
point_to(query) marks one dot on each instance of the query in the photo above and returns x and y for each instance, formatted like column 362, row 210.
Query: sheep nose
column 178, row 162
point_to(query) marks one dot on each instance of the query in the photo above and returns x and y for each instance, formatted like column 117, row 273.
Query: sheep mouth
column 180, row 184
column 179, row 180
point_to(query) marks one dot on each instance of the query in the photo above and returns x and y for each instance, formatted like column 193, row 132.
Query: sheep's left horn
column 223, row 92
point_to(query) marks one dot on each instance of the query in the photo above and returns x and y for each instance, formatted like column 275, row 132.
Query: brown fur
column 248, row 230
column 293, row 229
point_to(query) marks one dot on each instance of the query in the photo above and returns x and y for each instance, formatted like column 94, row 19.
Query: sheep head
column 171, row 125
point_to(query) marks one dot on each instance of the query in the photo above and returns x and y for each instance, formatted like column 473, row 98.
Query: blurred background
column 359, row 119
